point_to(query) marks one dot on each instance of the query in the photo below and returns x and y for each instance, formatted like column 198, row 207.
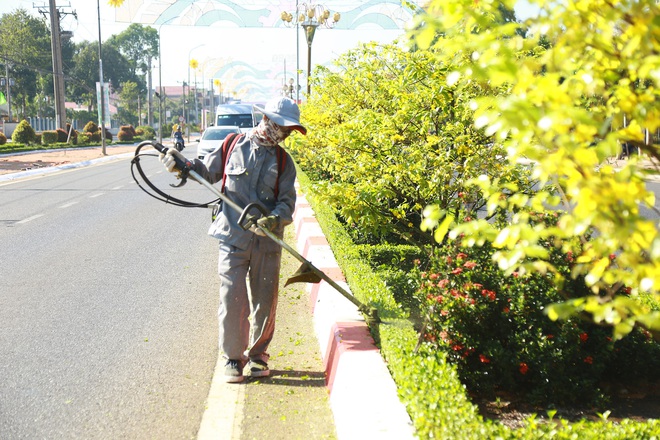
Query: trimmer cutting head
column 304, row 274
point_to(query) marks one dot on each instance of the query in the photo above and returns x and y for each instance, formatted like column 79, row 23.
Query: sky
column 251, row 62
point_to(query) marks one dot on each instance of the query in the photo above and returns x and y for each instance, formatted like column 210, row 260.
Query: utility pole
column 8, row 83
column 102, row 86
column 56, row 48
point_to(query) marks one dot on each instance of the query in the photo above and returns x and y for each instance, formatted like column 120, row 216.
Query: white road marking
column 96, row 195
column 68, row 205
column 29, row 219
column 224, row 408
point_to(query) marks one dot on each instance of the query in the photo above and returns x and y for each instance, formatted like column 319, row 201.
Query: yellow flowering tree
column 388, row 136
column 591, row 87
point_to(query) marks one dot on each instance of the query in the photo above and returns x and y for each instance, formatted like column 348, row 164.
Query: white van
column 239, row 115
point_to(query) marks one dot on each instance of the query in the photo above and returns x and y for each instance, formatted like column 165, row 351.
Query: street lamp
column 204, row 93
column 218, row 84
column 288, row 90
column 310, row 16
column 187, row 117
column 194, row 64
column 160, row 96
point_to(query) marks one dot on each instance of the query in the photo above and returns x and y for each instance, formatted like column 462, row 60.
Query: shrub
column 74, row 137
column 24, row 133
column 91, row 127
column 126, row 133
column 108, row 136
column 49, row 137
column 74, row 133
column 62, row 135
column 494, row 328
column 146, row 132
column 93, row 136
column 83, row 138
column 3, row 138
column 417, row 138
column 394, row 263
column 427, row 383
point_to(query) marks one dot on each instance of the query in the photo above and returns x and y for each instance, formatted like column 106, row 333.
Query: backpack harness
column 228, row 146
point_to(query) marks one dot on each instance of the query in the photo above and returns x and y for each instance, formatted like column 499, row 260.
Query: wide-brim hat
column 284, row 112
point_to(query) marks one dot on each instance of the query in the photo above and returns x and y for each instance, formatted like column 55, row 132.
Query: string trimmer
column 307, row 273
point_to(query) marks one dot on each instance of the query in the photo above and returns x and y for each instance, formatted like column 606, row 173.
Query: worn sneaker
column 233, row 371
column 259, row 369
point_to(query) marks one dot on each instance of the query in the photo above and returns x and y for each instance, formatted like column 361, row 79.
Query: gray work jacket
column 251, row 176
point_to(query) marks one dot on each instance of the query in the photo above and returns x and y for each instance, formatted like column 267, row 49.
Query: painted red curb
column 363, row 395
column 346, row 337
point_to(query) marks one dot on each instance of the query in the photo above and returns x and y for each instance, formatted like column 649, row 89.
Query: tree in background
column 139, row 44
column 564, row 110
column 25, row 48
column 85, row 72
column 127, row 113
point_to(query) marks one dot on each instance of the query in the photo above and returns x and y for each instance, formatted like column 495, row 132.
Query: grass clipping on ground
column 292, row 403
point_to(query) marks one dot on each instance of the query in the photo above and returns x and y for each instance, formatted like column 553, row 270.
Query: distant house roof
column 171, row 91
column 78, row 107
column 175, row 91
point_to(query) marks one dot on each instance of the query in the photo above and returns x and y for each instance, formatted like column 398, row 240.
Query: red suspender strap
column 227, row 147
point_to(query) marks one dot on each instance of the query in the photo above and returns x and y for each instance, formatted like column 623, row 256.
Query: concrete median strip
column 363, row 395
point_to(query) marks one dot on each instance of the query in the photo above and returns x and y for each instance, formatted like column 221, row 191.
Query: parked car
column 212, row 138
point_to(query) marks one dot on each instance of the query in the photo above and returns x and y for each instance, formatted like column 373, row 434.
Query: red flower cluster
column 488, row 294
column 523, row 368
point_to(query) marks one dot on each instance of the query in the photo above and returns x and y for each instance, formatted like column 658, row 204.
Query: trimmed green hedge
column 49, row 137
column 428, row 385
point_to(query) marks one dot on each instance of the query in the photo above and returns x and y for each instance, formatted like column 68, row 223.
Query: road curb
column 53, row 169
column 363, row 395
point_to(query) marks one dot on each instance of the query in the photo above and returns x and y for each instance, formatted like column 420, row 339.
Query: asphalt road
column 107, row 307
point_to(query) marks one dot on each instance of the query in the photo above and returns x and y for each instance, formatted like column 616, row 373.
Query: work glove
column 168, row 159
column 269, row 222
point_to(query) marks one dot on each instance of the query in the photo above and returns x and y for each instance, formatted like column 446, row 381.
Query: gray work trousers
column 237, row 338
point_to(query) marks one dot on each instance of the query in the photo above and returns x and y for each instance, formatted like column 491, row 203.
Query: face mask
column 270, row 134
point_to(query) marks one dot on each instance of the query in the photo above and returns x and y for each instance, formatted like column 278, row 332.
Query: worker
column 257, row 170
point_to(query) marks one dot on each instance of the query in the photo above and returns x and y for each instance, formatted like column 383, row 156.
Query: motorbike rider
column 247, row 315
column 178, row 137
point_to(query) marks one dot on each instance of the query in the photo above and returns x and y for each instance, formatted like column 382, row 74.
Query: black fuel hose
column 160, row 195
